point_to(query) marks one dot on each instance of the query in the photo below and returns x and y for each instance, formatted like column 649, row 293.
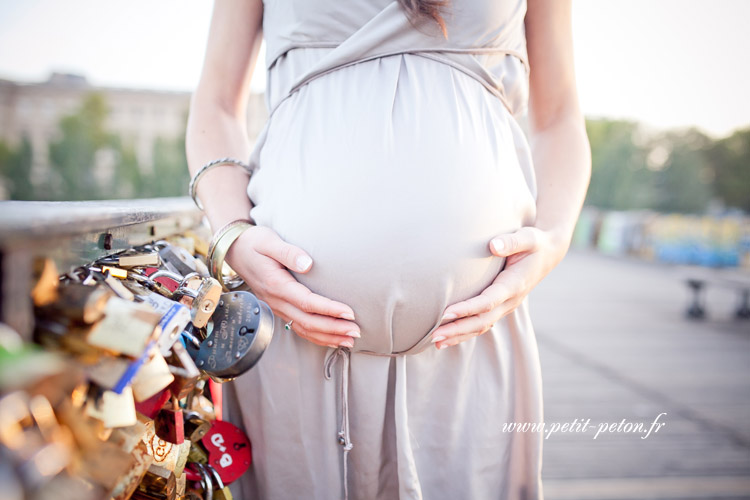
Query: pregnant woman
column 400, row 218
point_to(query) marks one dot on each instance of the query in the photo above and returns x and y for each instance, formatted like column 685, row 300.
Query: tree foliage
column 675, row 171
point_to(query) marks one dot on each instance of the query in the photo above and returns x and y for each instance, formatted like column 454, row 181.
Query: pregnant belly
column 393, row 196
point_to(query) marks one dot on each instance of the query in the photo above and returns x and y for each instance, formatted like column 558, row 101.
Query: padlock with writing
column 242, row 329
column 228, row 450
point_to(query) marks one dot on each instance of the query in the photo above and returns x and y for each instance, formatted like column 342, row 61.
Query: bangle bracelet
column 220, row 244
column 222, row 162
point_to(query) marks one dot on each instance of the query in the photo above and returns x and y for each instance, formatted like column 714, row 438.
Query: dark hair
column 426, row 8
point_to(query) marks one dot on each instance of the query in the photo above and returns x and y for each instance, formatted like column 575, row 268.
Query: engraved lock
column 228, row 450
column 202, row 295
column 242, row 329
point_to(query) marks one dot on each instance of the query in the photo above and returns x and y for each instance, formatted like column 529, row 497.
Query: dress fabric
column 392, row 156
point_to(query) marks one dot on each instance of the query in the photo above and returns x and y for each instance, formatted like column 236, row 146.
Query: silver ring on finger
column 288, row 326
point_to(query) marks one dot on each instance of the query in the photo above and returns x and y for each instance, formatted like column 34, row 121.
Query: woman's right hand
column 263, row 260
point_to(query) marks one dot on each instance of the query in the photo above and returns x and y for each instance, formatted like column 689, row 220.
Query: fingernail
column 347, row 343
column 438, row 338
column 448, row 317
column 348, row 316
column 442, row 346
column 498, row 245
column 353, row 334
column 303, row 263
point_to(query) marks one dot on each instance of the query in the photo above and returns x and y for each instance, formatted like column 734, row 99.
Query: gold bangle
column 219, row 247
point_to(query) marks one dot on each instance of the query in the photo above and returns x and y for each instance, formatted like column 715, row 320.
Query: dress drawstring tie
column 343, row 434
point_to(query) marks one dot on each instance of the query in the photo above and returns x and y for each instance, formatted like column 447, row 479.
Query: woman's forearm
column 214, row 133
column 562, row 162
column 217, row 126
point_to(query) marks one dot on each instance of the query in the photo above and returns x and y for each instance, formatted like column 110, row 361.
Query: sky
column 666, row 63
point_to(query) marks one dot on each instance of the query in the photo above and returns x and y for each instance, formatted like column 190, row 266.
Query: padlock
column 228, row 450
column 22, row 434
column 127, row 327
column 127, row 438
column 183, row 453
column 186, row 373
column 175, row 318
column 114, row 410
column 151, row 406
column 202, row 295
column 197, row 454
column 242, row 329
column 195, row 425
column 207, row 481
column 132, row 259
column 66, row 336
column 77, row 302
column 170, row 283
column 169, row 424
column 221, row 491
column 177, row 260
column 152, row 377
column 46, row 282
column 111, row 372
column 157, row 483
column 103, row 277
column 128, row 482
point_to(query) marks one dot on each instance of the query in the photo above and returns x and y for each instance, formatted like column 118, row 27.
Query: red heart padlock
column 228, row 450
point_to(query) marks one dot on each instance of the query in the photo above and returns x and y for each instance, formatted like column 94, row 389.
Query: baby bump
column 394, row 193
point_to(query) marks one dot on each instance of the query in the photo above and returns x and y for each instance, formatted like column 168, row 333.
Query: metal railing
column 75, row 233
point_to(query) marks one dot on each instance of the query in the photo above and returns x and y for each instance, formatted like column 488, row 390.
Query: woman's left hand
column 531, row 254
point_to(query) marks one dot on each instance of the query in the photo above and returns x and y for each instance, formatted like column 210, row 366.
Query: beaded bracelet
column 220, row 244
column 208, row 166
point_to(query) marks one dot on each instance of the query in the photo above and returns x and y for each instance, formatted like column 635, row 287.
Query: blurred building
column 139, row 116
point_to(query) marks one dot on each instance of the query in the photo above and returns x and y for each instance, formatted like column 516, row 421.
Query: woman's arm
column 217, row 129
column 562, row 162
column 560, row 147
column 217, row 125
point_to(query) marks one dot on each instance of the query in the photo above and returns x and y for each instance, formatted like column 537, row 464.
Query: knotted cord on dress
column 344, row 437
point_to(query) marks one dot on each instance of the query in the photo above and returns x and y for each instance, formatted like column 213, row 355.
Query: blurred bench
column 698, row 279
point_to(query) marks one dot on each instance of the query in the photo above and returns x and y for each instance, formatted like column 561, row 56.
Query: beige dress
column 392, row 156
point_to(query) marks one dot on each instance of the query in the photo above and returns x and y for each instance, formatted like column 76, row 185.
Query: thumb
column 522, row 240
column 288, row 255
